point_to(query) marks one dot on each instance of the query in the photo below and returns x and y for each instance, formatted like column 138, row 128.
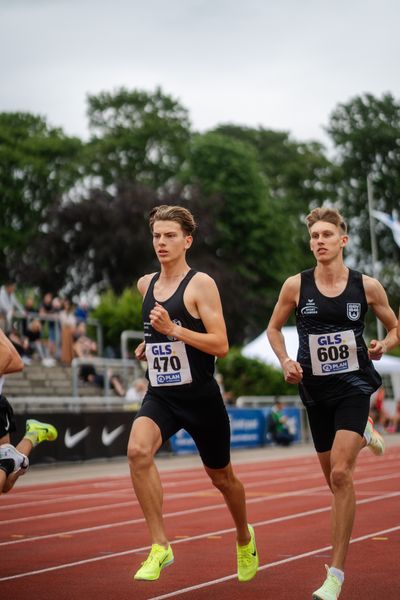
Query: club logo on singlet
column 309, row 308
column 353, row 310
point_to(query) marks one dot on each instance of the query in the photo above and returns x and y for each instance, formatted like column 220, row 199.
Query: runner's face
column 169, row 241
column 326, row 241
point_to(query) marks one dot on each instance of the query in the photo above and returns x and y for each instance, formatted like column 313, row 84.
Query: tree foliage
column 117, row 313
column 37, row 164
column 137, row 137
column 249, row 377
column 366, row 132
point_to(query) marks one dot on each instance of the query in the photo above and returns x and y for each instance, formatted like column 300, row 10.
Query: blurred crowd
column 45, row 329
column 53, row 330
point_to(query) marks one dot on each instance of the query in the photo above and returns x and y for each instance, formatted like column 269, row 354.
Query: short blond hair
column 180, row 215
column 329, row 215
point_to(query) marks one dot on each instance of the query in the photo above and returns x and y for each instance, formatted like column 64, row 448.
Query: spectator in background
column 30, row 311
column 84, row 347
column 278, row 425
column 34, row 337
column 82, row 312
column 20, row 343
column 68, row 325
column 46, row 312
column 137, row 391
column 8, row 305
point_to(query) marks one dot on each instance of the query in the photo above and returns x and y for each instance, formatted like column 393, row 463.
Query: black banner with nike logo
column 81, row 436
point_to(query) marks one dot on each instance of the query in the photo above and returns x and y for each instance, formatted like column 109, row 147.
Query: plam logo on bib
column 353, row 310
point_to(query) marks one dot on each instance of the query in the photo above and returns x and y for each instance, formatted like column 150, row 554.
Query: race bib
column 168, row 364
column 333, row 353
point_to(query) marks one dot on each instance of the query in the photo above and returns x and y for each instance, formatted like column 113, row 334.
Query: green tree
column 37, row 165
column 242, row 229
column 137, row 136
column 117, row 313
column 249, row 377
column 366, row 134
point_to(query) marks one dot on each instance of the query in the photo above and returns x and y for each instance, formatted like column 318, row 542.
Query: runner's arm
column 378, row 301
column 208, row 303
column 287, row 302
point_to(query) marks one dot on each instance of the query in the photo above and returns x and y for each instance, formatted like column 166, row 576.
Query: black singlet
column 166, row 356
column 332, row 351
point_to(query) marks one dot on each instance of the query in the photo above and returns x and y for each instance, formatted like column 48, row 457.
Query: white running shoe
column 20, row 460
column 376, row 443
column 330, row 589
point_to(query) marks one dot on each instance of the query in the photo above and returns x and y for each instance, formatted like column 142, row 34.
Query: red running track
column 87, row 538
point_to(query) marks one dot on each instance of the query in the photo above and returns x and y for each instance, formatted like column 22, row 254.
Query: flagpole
column 374, row 246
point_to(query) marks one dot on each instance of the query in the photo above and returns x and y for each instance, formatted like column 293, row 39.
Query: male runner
column 333, row 368
column 184, row 330
column 14, row 461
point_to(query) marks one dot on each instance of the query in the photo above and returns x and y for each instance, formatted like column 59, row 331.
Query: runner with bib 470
column 184, row 330
column 333, row 368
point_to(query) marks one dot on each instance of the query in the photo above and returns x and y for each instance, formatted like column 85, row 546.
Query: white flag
column 389, row 221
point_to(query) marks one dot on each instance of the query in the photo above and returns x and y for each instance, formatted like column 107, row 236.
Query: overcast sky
column 278, row 64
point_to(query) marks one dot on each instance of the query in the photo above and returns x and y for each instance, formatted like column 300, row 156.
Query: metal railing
column 46, row 319
column 104, row 365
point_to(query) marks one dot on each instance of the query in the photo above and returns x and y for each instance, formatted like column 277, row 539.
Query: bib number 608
column 333, row 353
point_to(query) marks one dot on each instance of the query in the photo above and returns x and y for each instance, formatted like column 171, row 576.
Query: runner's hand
column 376, row 349
column 140, row 352
column 292, row 371
column 160, row 320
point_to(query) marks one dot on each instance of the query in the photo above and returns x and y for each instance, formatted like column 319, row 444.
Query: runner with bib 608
column 333, row 368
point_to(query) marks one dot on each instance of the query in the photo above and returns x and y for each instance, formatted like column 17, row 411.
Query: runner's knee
column 340, row 477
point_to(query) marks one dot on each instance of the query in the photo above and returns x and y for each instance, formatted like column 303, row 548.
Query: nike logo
column 72, row 440
column 108, row 437
column 7, row 427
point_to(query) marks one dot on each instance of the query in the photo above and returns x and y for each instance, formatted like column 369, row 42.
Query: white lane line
column 190, row 539
column 190, row 511
column 304, row 491
column 270, row 565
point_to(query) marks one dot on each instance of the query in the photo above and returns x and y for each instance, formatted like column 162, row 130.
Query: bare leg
column 25, row 446
column 233, row 492
column 338, row 467
column 144, row 441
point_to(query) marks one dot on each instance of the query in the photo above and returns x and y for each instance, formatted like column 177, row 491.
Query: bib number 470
column 162, row 364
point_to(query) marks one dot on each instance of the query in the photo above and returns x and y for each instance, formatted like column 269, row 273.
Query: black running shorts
column 201, row 413
column 349, row 413
column 7, row 421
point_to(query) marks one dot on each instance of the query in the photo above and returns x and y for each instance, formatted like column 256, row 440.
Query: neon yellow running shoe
column 330, row 589
column 158, row 559
column 247, row 558
column 376, row 442
column 38, row 432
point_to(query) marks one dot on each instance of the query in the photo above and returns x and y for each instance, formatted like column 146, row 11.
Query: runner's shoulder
column 144, row 282
column 292, row 284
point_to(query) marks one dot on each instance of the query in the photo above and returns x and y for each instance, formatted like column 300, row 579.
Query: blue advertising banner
column 247, row 430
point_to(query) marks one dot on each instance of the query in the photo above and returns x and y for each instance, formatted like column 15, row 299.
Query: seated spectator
column 137, row 391
column 84, row 347
column 277, row 426
column 33, row 335
column 30, row 311
column 20, row 343
column 377, row 410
